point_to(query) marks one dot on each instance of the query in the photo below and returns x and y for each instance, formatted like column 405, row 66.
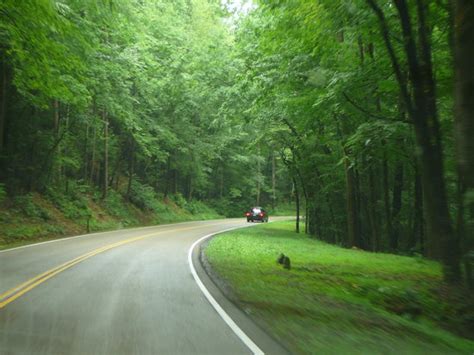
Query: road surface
column 122, row 292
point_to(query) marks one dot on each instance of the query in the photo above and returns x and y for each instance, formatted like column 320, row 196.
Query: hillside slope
column 35, row 217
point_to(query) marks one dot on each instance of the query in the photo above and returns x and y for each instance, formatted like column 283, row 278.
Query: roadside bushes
column 194, row 207
column 72, row 204
column 3, row 192
column 116, row 206
column 230, row 208
column 144, row 197
column 29, row 208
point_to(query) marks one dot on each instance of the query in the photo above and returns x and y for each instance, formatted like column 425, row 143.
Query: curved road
column 121, row 292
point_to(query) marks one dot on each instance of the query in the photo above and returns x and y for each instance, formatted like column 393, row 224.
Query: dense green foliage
column 357, row 96
column 136, row 96
column 346, row 106
column 340, row 301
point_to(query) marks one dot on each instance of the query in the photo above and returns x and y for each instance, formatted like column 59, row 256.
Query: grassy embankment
column 341, row 301
column 33, row 217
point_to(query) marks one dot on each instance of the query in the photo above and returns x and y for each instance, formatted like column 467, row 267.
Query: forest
column 360, row 113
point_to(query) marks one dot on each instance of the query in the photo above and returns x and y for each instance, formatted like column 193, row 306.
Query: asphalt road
column 122, row 292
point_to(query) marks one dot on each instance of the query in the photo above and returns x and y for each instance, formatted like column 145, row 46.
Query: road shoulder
column 224, row 296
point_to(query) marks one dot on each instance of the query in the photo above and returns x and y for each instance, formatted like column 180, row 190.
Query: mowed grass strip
column 340, row 301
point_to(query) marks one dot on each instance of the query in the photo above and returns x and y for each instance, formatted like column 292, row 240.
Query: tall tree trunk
column 131, row 166
column 56, row 117
column 372, row 212
column 3, row 101
column 105, row 119
column 297, row 202
column 66, row 152
column 396, row 206
column 417, row 235
column 351, row 206
column 422, row 110
column 86, row 153
column 273, row 180
column 190, row 188
column 57, row 168
column 221, row 182
column 358, row 199
column 168, row 176
column 333, row 219
column 93, row 157
column 464, row 110
column 258, row 177
column 114, row 179
column 386, row 199
column 175, row 181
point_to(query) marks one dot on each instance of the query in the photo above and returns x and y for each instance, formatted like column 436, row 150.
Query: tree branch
column 367, row 112
column 391, row 52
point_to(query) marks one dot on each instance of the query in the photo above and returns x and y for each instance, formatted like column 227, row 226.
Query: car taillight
column 247, row 214
column 261, row 214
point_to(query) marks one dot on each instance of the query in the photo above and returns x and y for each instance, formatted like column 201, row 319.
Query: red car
column 257, row 214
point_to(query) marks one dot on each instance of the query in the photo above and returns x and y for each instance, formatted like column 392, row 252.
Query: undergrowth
column 80, row 209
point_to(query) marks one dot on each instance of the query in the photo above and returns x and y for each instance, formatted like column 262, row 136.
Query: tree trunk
column 221, row 182
column 175, row 181
column 56, row 167
column 3, row 101
column 131, row 166
column 297, row 202
column 168, row 176
column 335, row 233
column 422, row 110
column 464, row 111
column 306, row 217
column 56, row 117
column 386, row 199
column 106, row 155
column 258, row 178
column 372, row 212
column 273, row 180
column 86, row 153
column 417, row 236
column 351, row 206
column 190, row 188
column 114, row 179
column 93, row 162
column 396, row 206
column 66, row 152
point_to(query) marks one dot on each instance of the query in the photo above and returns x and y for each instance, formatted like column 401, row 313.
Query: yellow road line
column 17, row 291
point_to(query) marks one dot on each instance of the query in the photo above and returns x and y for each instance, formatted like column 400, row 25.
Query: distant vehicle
column 257, row 214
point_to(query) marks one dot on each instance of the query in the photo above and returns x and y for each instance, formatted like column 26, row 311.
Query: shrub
column 198, row 207
column 179, row 200
column 27, row 207
column 73, row 205
column 117, row 207
column 144, row 197
column 229, row 208
column 3, row 192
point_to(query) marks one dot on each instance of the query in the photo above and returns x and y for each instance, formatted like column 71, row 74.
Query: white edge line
column 230, row 322
column 106, row 232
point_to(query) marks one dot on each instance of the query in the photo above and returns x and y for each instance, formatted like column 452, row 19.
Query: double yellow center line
column 18, row 291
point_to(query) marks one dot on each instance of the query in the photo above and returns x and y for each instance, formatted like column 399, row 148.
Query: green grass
column 340, row 301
